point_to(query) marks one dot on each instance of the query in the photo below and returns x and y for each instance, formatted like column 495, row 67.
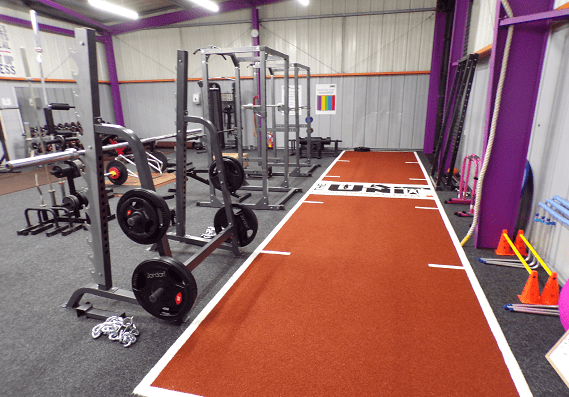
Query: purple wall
column 503, row 180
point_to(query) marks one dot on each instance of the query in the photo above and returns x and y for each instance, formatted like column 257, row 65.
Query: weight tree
column 259, row 56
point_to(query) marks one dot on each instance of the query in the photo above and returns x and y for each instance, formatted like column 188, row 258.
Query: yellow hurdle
column 520, row 257
column 536, row 255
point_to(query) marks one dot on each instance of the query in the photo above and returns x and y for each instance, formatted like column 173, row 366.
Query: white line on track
column 411, row 162
column 274, row 252
column 144, row 388
column 313, row 202
column 447, row 266
column 427, row 208
column 509, row 358
column 331, row 176
column 344, row 161
column 417, row 179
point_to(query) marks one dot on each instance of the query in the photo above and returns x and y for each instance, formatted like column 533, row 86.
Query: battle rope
column 497, row 103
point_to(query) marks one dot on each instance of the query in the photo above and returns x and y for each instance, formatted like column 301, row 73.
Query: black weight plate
column 246, row 220
column 143, row 216
column 119, row 170
column 165, row 288
column 241, row 170
column 234, row 173
column 163, row 159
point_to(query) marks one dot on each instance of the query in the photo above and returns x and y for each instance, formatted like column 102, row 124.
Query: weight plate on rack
column 241, row 170
column 165, row 288
column 234, row 173
column 162, row 158
column 246, row 220
column 143, row 216
column 118, row 172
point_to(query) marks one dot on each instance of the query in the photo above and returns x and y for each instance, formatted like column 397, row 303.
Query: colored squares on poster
column 326, row 102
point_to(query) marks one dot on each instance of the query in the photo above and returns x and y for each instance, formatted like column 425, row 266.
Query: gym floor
column 49, row 351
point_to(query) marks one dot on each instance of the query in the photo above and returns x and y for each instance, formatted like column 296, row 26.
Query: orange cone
column 550, row 295
column 520, row 245
column 530, row 294
column 503, row 246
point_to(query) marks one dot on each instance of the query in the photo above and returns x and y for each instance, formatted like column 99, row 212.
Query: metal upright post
column 238, row 118
column 297, row 116
column 285, row 110
column 207, row 115
column 181, row 126
column 308, row 121
column 263, row 122
column 274, row 115
column 89, row 112
column 88, row 108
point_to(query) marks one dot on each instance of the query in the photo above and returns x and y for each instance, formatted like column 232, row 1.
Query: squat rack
column 297, row 125
column 89, row 112
column 259, row 56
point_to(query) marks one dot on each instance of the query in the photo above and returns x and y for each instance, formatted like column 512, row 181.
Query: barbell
column 71, row 153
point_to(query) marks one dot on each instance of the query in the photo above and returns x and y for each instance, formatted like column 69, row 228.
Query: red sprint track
column 361, row 290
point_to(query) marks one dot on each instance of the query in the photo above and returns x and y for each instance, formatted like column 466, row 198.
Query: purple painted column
column 503, row 180
column 255, row 24
column 434, row 81
column 107, row 39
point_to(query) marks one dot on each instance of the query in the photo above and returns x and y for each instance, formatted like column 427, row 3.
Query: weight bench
column 317, row 143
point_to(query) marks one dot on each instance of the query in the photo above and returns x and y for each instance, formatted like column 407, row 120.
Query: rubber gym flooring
column 354, row 309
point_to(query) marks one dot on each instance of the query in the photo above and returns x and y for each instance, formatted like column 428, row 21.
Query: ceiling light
column 207, row 4
column 303, row 2
column 113, row 8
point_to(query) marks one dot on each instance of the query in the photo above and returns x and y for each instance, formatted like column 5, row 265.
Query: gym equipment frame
column 296, row 172
column 457, row 104
column 92, row 157
column 259, row 56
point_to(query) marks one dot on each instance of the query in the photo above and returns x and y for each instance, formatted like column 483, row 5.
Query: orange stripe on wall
column 301, row 76
column 242, row 77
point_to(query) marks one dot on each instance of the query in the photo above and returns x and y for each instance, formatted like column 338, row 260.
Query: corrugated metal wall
column 376, row 111
column 481, row 24
column 392, row 42
column 366, row 36
column 56, row 61
column 550, row 142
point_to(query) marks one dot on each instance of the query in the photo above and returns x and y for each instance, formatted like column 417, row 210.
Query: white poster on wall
column 291, row 96
column 326, row 99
